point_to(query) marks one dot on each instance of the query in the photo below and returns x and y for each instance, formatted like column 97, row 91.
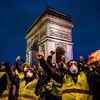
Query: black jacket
column 92, row 76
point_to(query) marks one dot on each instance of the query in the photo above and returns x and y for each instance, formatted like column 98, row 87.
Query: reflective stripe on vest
column 78, row 91
column 4, row 95
column 27, row 96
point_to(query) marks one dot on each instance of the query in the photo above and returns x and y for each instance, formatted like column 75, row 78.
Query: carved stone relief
column 59, row 34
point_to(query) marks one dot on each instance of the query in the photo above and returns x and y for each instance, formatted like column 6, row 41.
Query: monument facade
column 51, row 30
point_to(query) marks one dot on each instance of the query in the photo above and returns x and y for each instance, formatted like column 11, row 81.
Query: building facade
column 51, row 30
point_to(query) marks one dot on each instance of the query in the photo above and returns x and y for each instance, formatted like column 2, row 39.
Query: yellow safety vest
column 1, row 74
column 49, row 85
column 5, row 94
column 27, row 92
column 20, row 75
column 56, row 89
column 78, row 91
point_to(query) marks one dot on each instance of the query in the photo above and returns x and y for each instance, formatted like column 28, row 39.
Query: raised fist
column 40, row 55
column 18, row 58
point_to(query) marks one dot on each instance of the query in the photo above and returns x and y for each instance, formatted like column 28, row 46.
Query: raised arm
column 17, row 65
column 57, row 76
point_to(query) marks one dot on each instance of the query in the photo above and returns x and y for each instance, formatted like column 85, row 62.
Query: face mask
column 73, row 69
column 29, row 74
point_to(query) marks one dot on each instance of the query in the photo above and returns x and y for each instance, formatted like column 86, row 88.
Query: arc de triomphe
column 50, row 30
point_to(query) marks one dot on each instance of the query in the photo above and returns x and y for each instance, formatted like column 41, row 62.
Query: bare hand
column 18, row 58
column 40, row 55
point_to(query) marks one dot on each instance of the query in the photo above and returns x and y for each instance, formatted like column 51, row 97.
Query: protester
column 49, row 58
column 59, row 80
column 27, row 82
column 4, row 81
column 14, row 85
column 76, row 84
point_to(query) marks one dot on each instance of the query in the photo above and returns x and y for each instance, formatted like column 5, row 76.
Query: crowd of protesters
column 59, row 80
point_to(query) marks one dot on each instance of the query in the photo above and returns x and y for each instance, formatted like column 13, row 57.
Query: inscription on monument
column 60, row 34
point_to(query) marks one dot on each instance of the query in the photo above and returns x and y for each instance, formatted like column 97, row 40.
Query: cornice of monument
column 52, row 12
column 59, row 22
column 37, row 27
column 52, row 20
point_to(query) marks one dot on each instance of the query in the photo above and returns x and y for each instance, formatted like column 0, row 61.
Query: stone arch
column 35, row 45
column 34, row 49
column 59, row 51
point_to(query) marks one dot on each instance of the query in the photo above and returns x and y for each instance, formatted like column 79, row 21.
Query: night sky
column 16, row 16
